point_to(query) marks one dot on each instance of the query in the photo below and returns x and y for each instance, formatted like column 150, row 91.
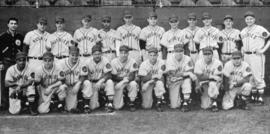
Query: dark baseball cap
column 152, row 14
column 178, row 47
column 192, row 16
column 173, row 18
column 87, row 17
column 206, row 15
column 237, row 54
column 153, row 49
column 20, row 55
column 48, row 55
column 42, row 20
column 124, row 48
column 249, row 13
column 59, row 19
column 73, row 49
column 96, row 48
column 106, row 18
column 228, row 17
column 207, row 50
column 127, row 13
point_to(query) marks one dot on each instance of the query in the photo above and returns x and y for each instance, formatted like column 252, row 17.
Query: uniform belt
column 227, row 53
column 36, row 58
column 170, row 51
column 61, row 57
column 85, row 55
column 250, row 52
column 132, row 49
column 94, row 81
column 109, row 51
column 193, row 52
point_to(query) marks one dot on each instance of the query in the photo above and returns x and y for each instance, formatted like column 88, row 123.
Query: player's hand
column 125, row 79
column 1, row 66
column 48, row 90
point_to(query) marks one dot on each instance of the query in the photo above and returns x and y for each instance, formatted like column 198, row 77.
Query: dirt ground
column 254, row 121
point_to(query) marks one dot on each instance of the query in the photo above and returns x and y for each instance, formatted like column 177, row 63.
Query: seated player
column 123, row 74
column 237, row 74
column 151, row 73
column 20, row 81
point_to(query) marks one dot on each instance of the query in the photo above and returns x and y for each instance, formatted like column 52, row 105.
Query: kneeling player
column 209, row 73
column 50, row 78
column 100, row 77
column 20, row 81
column 179, row 70
column 151, row 72
column 76, row 73
column 123, row 71
column 237, row 75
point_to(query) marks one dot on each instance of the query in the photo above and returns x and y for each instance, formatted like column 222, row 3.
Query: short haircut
column 14, row 19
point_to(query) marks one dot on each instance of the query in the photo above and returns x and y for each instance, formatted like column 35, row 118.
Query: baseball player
column 230, row 39
column 151, row 73
column 86, row 37
column 189, row 33
column 124, row 69
column 171, row 37
column 59, row 41
column 209, row 74
column 35, row 41
column 129, row 34
column 255, row 40
column 50, row 78
column 100, row 76
column 76, row 72
column 151, row 35
column 20, row 81
column 179, row 69
column 110, row 38
column 208, row 36
column 237, row 74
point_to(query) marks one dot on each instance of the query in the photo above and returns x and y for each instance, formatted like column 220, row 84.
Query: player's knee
column 133, row 85
column 14, row 106
column 42, row 110
column 87, row 84
column 109, row 83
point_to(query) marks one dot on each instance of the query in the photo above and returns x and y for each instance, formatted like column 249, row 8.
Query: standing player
column 76, row 73
column 100, row 76
column 151, row 73
column 86, row 37
column 124, row 69
column 189, row 33
column 151, row 35
column 171, row 37
column 255, row 40
column 231, row 38
column 60, row 40
column 209, row 73
column 208, row 36
column 130, row 36
column 50, row 78
column 179, row 70
column 237, row 74
column 110, row 38
column 20, row 81
column 36, row 41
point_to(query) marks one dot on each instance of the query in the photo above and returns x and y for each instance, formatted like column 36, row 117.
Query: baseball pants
column 210, row 90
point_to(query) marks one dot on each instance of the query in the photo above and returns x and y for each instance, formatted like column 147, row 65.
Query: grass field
column 254, row 121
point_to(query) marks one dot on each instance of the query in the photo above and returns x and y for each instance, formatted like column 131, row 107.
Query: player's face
column 174, row 24
column 228, row 23
column 123, row 55
column 152, row 21
column 60, row 25
column 208, row 57
column 128, row 19
column 48, row 63
column 179, row 55
column 73, row 57
column 153, row 57
column 236, row 61
column 250, row 20
column 12, row 25
column 106, row 24
column 86, row 23
column 207, row 22
column 21, row 62
column 41, row 27
column 192, row 22
column 97, row 56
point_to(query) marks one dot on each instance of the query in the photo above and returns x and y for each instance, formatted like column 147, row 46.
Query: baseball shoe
column 159, row 106
column 33, row 112
column 86, row 109
column 75, row 111
column 260, row 101
column 132, row 107
column 244, row 106
column 214, row 109
column 185, row 108
column 109, row 108
column 61, row 108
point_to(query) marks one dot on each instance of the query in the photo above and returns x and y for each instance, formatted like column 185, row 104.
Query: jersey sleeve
column 264, row 32
column 48, row 43
column 70, row 39
column 134, row 66
column 247, row 71
column 170, row 65
column 107, row 68
column 143, row 69
column 219, row 68
column 189, row 65
column 198, row 68
column 38, row 75
column 164, row 41
column 27, row 38
column 114, row 67
column 8, row 76
column 143, row 34
column 197, row 36
column 75, row 35
column 227, row 69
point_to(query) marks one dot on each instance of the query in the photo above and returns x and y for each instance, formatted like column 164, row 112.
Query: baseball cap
column 228, row 17
column 173, row 18
column 153, row 49
column 152, row 14
column 249, row 13
column 106, row 18
column 96, row 48
column 87, row 17
column 206, row 15
column 178, row 48
column 207, row 50
column 73, row 49
column 127, row 13
column 48, row 55
column 237, row 54
column 124, row 48
column 42, row 20
column 59, row 19
column 192, row 16
column 20, row 55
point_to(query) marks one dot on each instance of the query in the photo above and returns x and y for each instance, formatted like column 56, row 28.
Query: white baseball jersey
column 130, row 35
column 123, row 69
column 214, row 68
column 59, row 43
column 207, row 37
column 189, row 36
column 157, row 69
column 152, row 36
column 228, row 38
column 47, row 77
column 185, row 65
column 172, row 37
column 15, row 75
column 36, row 42
column 72, row 73
column 236, row 73
column 253, row 38
column 86, row 39
column 97, row 70
column 109, row 39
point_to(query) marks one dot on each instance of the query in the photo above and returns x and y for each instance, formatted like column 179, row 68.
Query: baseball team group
column 111, row 69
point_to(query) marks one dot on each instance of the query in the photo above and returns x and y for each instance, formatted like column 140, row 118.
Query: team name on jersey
column 128, row 35
column 37, row 39
column 175, row 38
column 189, row 36
column 50, row 76
column 19, row 77
column 208, row 71
column 209, row 35
column 154, row 34
column 123, row 70
column 53, row 42
column 249, row 35
column 85, row 38
column 229, row 39
column 96, row 71
column 154, row 71
column 237, row 73
column 72, row 72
